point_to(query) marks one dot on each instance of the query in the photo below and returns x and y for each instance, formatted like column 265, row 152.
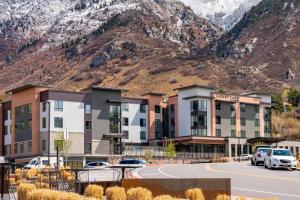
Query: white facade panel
column 72, row 114
column 134, row 129
column 184, row 109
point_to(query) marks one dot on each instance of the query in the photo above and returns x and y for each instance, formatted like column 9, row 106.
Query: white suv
column 259, row 155
column 280, row 158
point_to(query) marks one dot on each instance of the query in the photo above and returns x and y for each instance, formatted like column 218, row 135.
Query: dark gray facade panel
column 65, row 96
column 100, row 111
column 250, row 115
column 26, row 134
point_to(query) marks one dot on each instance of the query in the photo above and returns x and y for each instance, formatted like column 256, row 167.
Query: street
column 246, row 180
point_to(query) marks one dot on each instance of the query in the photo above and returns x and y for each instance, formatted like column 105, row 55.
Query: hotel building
column 97, row 123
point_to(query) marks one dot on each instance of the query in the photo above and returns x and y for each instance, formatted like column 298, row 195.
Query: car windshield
column 263, row 150
column 32, row 162
column 282, row 153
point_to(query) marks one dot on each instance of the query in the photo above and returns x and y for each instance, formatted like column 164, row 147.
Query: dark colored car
column 132, row 162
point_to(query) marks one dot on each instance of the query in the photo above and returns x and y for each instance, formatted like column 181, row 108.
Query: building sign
column 225, row 97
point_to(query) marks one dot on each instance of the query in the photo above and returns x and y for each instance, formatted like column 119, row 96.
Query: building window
column 22, row 110
column 88, row 125
column 256, row 122
column 5, row 130
column 44, row 145
column 202, row 105
column 125, row 134
column 218, row 120
column 44, row 122
column 243, row 133
column 257, row 134
column 7, row 150
column 157, row 109
column 243, row 121
column 218, row 105
column 218, row 132
column 199, row 132
column 157, row 124
column 30, row 108
column 21, row 126
column 125, row 107
column 58, row 122
column 202, row 120
column 142, row 122
column 29, row 146
column 143, row 108
column 172, row 121
column 194, row 106
column 88, row 108
column 88, row 148
column 21, row 147
column 243, row 107
column 16, row 148
column 232, row 107
column 256, row 109
column 30, row 124
column 115, row 127
column 233, row 133
column 125, row 121
column 233, row 121
column 58, row 106
column 44, row 106
column 143, row 135
column 114, row 111
column 172, row 107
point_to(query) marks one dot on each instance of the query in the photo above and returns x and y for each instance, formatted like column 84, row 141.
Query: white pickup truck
column 42, row 162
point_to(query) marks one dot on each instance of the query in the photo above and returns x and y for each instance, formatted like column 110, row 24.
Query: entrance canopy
column 265, row 140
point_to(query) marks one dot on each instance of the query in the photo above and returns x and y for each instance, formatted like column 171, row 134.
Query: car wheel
column 252, row 163
column 256, row 163
column 265, row 165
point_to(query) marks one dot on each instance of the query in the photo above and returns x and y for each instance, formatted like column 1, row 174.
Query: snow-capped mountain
column 224, row 13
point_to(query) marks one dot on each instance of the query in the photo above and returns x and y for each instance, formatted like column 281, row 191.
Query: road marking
column 150, row 174
column 165, row 174
column 265, row 192
column 207, row 167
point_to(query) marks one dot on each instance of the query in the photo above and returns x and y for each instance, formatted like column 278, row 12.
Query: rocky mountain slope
column 145, row 45
column 224, row 13
column 266, row 42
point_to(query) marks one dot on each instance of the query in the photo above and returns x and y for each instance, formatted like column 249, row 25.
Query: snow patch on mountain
column 224, row 13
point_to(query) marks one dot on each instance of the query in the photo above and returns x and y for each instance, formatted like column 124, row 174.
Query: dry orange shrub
column 115, row 193
column 24, row 189
column 139, row 193
column 94, row 191
column 194, row 194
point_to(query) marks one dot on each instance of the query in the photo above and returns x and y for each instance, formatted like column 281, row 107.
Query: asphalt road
column 246, row 180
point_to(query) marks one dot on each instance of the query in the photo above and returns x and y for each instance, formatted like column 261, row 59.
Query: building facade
column 97, row 123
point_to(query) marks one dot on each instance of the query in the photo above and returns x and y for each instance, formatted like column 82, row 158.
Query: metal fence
column 159, row 152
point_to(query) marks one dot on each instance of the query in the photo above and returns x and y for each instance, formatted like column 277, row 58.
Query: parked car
column 132, row 162
column 243, row 157
column 280, row 158
column 97, row 165
column 262, row 146
column 41, row 162
column 259, row 154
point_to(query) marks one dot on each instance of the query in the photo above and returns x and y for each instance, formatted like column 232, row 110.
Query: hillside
column 145, row 45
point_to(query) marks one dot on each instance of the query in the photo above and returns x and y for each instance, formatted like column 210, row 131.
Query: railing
column 159, row 152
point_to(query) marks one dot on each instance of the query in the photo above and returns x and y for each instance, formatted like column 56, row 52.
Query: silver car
column 280, row 158
column 259, row 155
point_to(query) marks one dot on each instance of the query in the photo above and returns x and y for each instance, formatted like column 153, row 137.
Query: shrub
column 139, row 193
column 194, row 194
column 24, row 189
column 222, row 197
column 41, row 185
column 32, row 173
column 115, row 193
column 47, row 194
column 164, row 197
column 94, row 191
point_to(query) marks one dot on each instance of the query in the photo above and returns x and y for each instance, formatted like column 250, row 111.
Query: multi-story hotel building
column 96, row 123
column 220, row 123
